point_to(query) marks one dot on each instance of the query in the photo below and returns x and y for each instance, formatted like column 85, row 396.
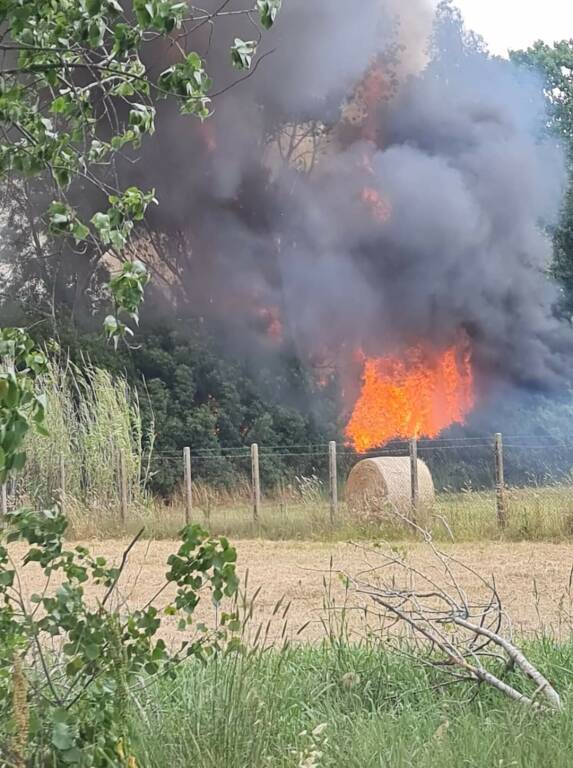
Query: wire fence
column 517, row 483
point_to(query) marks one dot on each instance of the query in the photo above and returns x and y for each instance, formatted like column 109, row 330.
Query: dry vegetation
column 534, row 514
column 533, row 580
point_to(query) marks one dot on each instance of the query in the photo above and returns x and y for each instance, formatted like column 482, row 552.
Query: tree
column 555, row 64
column 78, row 90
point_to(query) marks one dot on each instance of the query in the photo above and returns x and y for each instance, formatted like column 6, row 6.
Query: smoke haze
column 448, row 138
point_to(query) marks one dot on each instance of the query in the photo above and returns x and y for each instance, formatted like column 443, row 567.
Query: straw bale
column 377, row 485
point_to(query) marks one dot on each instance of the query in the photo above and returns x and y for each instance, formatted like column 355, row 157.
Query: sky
column 512, row 24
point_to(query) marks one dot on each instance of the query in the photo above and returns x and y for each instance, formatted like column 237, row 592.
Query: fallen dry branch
column 451, row 631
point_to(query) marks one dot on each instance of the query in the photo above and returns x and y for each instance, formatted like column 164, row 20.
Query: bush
column 69, row 667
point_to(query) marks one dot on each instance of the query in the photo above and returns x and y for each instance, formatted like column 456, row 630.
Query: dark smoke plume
column 448, row 138
column 454, row 149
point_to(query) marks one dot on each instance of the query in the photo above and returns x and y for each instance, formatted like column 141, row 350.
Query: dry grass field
column 533, row 580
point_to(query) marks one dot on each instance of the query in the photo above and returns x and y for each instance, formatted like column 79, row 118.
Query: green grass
column 534, row 513
column 376, row 709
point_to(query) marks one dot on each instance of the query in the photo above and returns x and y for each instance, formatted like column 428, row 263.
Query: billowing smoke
column 371, row 184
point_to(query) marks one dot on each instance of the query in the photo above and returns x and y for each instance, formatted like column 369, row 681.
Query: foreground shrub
column 69, row 668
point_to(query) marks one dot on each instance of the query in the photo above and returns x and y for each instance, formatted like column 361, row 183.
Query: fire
column 271, row 320
column 379, row 206
column 418, row 395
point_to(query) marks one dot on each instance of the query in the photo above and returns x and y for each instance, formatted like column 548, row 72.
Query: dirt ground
column 533, row 580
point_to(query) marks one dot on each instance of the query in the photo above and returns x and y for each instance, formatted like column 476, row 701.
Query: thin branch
column 246, row 77
column 122, row 566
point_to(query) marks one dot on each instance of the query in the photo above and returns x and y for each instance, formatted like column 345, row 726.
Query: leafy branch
column 75, row 94
column 100, row 657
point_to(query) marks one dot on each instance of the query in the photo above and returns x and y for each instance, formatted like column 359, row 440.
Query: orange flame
column 271, row 320
column 419, row 395
column 379, row 206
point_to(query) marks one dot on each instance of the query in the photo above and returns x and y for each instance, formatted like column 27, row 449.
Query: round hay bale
column 378, row 485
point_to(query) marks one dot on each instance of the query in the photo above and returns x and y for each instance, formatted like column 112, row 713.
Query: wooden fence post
column 123, row 487
column 4, row 500
column 414, row 489
column 333, row 480
column 62, row 490
column 188, row 485
column 500, row 482
column 256, row 481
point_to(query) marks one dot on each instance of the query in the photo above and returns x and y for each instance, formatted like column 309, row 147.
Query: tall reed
column 92, row 418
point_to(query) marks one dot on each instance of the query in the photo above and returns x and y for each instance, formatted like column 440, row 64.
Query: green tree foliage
column 20, row 405
column 193, row 394
column 555, row 65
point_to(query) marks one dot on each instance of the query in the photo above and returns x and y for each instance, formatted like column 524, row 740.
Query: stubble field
column 533, row 580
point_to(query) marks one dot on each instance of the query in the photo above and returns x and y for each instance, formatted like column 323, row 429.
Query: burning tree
column 415, row 397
